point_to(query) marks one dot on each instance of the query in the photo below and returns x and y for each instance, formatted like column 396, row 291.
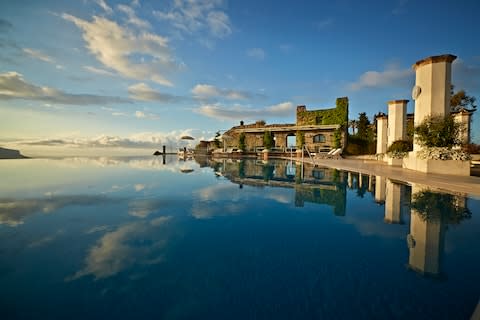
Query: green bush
column 267, row 140
column 241, row 141
column 438, row 131
column 400, row 146
column 300, row 139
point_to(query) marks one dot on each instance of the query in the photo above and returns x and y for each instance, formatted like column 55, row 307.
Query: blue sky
column 137, row 74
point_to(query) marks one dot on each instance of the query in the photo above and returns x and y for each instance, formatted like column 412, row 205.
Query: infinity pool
column 130, row 238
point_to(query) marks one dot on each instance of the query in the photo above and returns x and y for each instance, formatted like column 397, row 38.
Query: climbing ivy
column 337, row 115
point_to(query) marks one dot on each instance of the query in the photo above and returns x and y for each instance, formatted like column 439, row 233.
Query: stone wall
column 337, row 115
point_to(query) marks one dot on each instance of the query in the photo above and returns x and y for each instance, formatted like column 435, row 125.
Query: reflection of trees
column 431, row 207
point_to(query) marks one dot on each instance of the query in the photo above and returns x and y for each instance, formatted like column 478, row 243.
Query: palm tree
column 354, row 125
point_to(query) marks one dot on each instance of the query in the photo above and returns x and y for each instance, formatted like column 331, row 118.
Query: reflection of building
column 312, row 184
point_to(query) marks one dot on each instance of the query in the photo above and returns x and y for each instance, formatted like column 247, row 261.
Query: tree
column 353, row 124
column 460, row 99
column 267, row 140
column 363, row 126
column 241, row 141
column 217, row 139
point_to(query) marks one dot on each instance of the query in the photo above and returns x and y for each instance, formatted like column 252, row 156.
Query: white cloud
column 144, row 92
column 132, row 17
column 14, row 86
column 193, row 16
column 237, row 112
column 206, row 91
column 118, row 48
column 104, row 6
column 38, row 55
column 256, row 53
column 145, row 115
column 98, row 71
column 391, row 77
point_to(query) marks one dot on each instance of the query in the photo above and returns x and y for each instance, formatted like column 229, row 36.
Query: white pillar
column 382, row 134
column 463, row 117
column 397, row 121
column 432, row 88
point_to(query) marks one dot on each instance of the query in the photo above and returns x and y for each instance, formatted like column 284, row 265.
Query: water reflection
column 429, row 212
column 238, row 237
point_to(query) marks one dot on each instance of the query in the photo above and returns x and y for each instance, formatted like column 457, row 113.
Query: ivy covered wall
column 337, row 115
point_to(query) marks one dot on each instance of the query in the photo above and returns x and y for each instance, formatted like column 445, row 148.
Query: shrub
column 241, row 141
column 267, row 140
column 438, row 131
column 399, row 149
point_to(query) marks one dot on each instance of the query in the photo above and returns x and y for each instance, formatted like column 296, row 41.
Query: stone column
column 464, row 118
column 382, row 134
column 397, row 121
column 432, row 88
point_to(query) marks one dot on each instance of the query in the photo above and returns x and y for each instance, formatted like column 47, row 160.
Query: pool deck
column 456, row 184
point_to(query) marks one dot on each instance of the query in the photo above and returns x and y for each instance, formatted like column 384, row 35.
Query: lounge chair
column 323, row 155
column 336, row 154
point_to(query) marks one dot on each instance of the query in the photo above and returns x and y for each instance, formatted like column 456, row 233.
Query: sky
column 108, row 76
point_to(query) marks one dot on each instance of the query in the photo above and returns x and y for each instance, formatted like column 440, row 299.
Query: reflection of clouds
column 134, row 243
column 45, row 240
column 13, row 212
column 139, row 187
column 97, row 229
column 143, row 207
column 209, row 198
column 284, row 196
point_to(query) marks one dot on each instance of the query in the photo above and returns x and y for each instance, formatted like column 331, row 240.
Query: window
column 319, row 138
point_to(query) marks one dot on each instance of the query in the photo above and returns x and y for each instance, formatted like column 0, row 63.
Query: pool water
column 153, row 237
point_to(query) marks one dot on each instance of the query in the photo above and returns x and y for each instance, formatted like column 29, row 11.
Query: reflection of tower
column 370, row 183
column 394, row 202
column 360, row 181
column 425, row 241
column 380, row 189
column 350, row 180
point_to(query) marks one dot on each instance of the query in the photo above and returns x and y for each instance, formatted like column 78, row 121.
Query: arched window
column 319, row 138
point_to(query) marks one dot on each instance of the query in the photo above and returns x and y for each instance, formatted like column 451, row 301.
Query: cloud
column 141, row 140
column 98, row 71
column 104, row 6
column 144, row 115
column 118, row 49
column 132, row 17
column 117, row 250
column 194, row 16
column 144, row 92
column 256, row 53
column 391, row 77
column 237, row 112
column 38, row 55
column 206, row 91
column 14, row 86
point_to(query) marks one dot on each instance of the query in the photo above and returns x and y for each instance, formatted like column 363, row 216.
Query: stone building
column 321, row 130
